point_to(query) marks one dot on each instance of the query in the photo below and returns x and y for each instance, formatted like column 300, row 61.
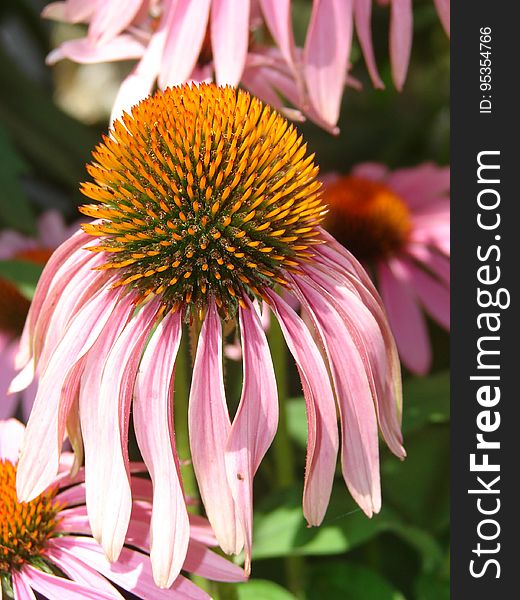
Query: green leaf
column 346, row 581
column 426, row 400
column 281, row 530
column 430, row 587
column 261, row 589
column 23, row 274
column 15, row 211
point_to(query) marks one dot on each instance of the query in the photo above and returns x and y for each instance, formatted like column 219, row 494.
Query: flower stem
column 283, row 450
column 181, row 424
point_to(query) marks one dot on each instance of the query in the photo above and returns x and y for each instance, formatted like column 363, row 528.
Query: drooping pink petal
column 111, row 18
column 326, row 52
column 78, row 571
column 75, row 242
column 209, row 428
column 72, row 11
column 255, row 422
column 104, row 422
column 434, row 296
column 337, row 263
column 443, row 10
column 363, row 18
column 229, row 39
column 360, row 451
column 57, row 588
column 132, row 571
column 405, row 317
column 153, row 420
column 183, row 41
column 401, row 32
column 21, row 589
column 277, row 14
column 11, row 437
column 322, row 427
column 81, row 50
column 39, row 460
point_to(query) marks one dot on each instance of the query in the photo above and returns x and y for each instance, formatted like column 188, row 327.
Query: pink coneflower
column 206, row 201
column 52, row 231
column 399, row 223
column 46, row 544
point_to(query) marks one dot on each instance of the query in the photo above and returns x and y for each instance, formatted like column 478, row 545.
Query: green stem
column 284, row 451
column 282, row 445
column 181, row 424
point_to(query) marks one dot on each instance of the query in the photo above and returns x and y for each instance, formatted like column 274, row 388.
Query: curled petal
column 255, row 422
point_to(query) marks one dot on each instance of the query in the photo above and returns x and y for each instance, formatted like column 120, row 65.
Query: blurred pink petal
column 229, row 39
column 111, row 18
column 327, row 48
column 11, row 437
column 405, row 318
column 401, row 32
column 183, row 41
column 443, row 10
column 363, row 17
column 123, row 47
column 277, row 14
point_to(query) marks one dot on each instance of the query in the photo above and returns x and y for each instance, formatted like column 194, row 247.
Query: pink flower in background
column 226, row 41
column 46, row 545
column 206, row 202
column 399, row 223
column 52, row 231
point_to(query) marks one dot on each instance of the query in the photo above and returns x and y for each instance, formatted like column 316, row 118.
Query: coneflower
column 207, row 201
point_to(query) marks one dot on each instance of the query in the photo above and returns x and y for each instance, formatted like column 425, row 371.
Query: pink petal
column 326, row 52
column 11, row 437
column 104, row 422
column 21, row 588
column 363, row 17
column 81, row 50
column 322, row 427
column 45, row 282
column 8, row 401
column 277, row 14
column 422, row 185
column 153, row 420
column 110, row 18
column 434, row 296
column 338, row 262
column 405, row 317
column 360, row 452
column 205, row 563
column 443, row 9
column 39, row 459
column 229, row 39
column 132, row 571
column 78, row 571
column 255, row 422
column 184, row 41
column 209, row 428
column 370, row 170
column 432, row 260
column 401, row 32
column 57, row 588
